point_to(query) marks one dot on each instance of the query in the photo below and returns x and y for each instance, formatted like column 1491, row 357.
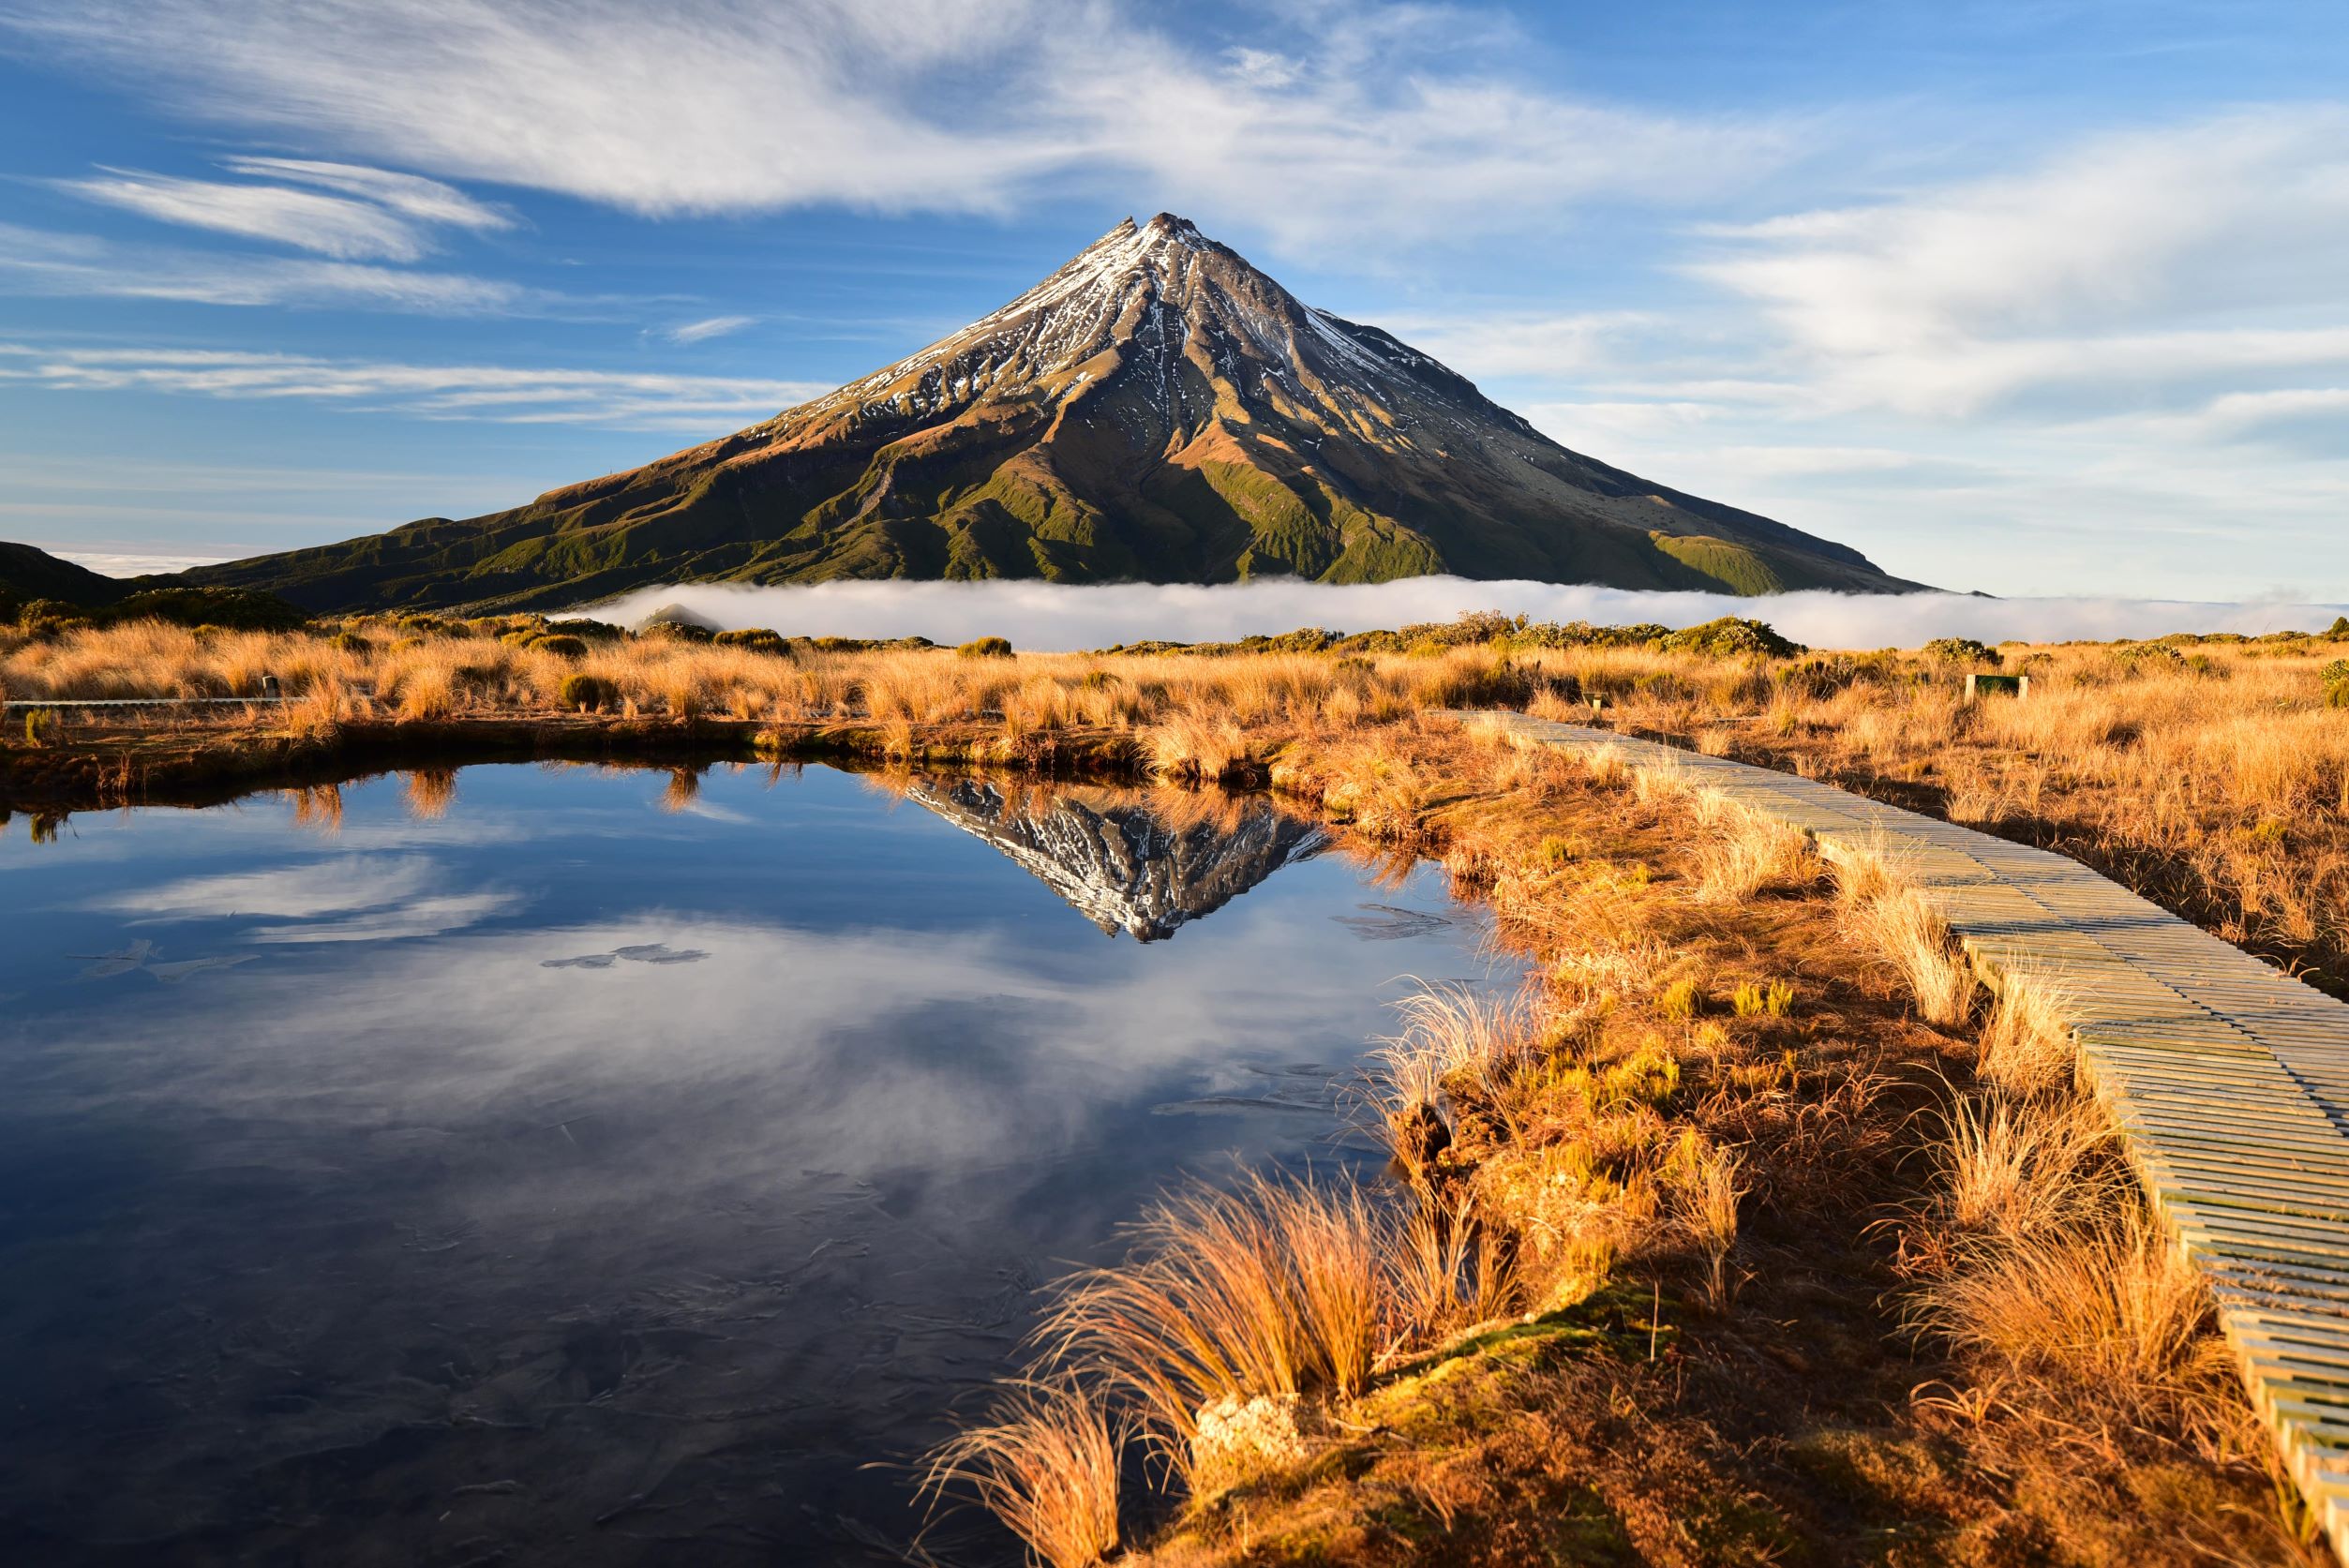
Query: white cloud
column 506, row 394
column 2152, row 260
column 109, row 564
column 1051, row 615
column 713, row 326
column 39, row 262
column 411, row 195
column 1353, row 126
column 329, row 225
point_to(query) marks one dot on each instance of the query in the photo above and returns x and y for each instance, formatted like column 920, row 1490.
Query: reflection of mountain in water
column 1125, row 865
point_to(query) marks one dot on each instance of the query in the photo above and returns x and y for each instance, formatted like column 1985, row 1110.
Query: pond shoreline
column 102, row 764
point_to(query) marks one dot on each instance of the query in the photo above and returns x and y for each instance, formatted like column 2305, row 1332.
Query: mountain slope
column 29, row 573
column 1157, row 410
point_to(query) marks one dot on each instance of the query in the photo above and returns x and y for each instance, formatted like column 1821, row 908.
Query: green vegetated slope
column 27, row 573
column 1156, row 411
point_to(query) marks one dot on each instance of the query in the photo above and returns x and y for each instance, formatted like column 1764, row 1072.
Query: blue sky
column 2029, row 298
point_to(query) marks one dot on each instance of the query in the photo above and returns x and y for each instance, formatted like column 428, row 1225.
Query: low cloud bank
column 1057, row 616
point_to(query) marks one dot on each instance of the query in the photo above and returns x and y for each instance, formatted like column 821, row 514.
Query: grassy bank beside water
column 1753, row 1232
column 2209, row 774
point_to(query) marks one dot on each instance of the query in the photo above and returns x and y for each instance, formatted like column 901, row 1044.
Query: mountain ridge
column 1156, row 410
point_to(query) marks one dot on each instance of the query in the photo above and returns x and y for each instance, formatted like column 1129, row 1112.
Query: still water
column 570, row 1166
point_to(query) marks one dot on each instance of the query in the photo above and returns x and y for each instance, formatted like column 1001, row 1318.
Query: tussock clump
column 1044, row 1461
column 2026, row 1044
column 1274, row 1289
column 1895, row 919
column 586, row 693
column 2109, row 1309
column 2012, row 1171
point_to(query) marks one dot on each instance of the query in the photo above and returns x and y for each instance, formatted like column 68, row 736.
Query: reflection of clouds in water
column 380, row 898
column 120, row 961
column 1386, row 922
column 259, row 824
column 647, row 952
column 862, row 1051
column 139, row 956
column 781, row 1187
column 420, row 916
column 325, row 887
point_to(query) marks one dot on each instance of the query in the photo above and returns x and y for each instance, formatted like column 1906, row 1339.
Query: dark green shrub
column 587, row 693
column 758, row 639
column 2339, row 631
column 240, row 609
column 2144, row 657
column 1963, row 651
column 593, row 630
column 352, row 642
column 1730, row 636
column 986, row 648
column 562, row 647
column 2336, row 679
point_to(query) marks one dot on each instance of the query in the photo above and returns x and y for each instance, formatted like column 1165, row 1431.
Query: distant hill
column 1158, row 410
column 27, row 573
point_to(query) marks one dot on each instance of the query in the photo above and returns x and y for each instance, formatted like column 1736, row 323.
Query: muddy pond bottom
column 563, row 1165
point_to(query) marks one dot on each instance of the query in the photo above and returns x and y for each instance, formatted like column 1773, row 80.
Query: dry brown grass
column 2109, row 1306
column 2215, row 781
column 1044, row 1461
column 1275, row 1288
column 1885, row 913
column 2026, row 1045
column 2012, row 1171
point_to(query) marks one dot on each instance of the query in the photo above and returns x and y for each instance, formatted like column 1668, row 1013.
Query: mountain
column 1118, row 862
column 27, row 573
column 1158, row 410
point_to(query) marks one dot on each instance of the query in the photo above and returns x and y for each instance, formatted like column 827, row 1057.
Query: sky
column 2029, row 298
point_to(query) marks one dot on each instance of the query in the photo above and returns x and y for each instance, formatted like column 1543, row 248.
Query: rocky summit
column 1157, row 410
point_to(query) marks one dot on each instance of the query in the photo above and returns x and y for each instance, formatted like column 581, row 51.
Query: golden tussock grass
column 1886, row 914
column 1274, row 1289
column 1044, row 1461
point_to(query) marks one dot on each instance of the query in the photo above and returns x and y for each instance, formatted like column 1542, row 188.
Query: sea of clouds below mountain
column 1059, row 616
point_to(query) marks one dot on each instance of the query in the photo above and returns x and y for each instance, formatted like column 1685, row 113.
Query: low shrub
column 587, row 693
column 2337, row 683
column 1730, row 636
column 352, row 642
column 1962, row 651
column 562, row 645
column 986, row 648
column 240, row 609
column 758, row 639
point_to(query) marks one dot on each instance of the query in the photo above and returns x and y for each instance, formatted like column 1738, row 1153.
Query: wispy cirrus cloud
column 2153, row 262
column 42, row 262
column 364, row 215
column 1347, row 120
column 707, row 328
column 638, row 400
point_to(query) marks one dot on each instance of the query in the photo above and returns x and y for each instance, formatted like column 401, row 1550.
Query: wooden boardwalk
column 2229, row 1079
